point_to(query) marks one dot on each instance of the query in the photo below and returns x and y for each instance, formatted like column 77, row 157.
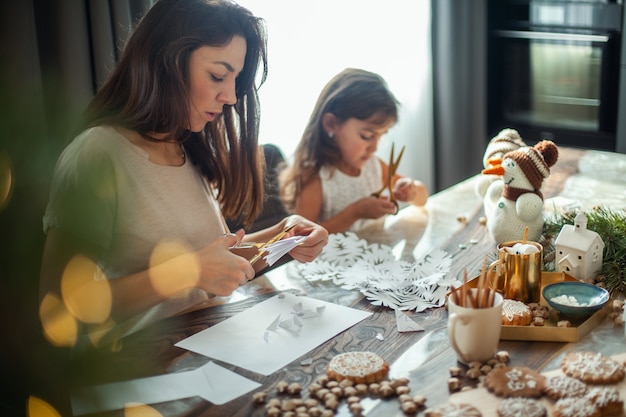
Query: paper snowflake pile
column 353, row 263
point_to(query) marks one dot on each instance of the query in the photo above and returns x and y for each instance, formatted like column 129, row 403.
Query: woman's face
column 212, row 75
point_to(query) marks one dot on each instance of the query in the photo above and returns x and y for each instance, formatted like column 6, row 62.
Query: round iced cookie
column 592, row 368
column 561, row 386
column 521, row 407
column 358, row 367
column 517, row 381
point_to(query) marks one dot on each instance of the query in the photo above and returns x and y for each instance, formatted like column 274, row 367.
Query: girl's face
column 212, row 75
column 358, row 141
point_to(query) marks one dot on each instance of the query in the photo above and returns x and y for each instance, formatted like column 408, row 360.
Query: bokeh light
column 105, row 332
column 87, row 298
column 173, row 265
column 59, row 325
column 39, row 408
column 6, row 178
column 140, row 410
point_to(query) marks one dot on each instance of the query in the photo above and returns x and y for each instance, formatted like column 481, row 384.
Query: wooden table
column 425, row 357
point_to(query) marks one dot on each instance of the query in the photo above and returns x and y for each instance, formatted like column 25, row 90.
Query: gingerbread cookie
column 592, row 368
column 515, row 313
column 517, row 381
column 607, row 399
column 521, row 407
column 453, row 410
column 358, row 367
column 561, row 386
column 575, row 407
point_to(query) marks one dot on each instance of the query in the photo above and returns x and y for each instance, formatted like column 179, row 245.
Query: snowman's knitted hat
column 535, row 161
column 505, row 141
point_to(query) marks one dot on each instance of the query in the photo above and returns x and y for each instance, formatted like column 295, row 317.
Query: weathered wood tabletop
column 424, row 357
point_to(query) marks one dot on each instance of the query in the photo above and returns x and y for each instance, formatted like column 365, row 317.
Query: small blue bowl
column 592, row 296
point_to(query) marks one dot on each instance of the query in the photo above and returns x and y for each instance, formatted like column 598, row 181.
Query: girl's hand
column 311, row 247
column 410, row 190
column 373, row 207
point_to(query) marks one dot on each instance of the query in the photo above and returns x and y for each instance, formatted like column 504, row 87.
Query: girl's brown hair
column 353, row 93
column 148, row 92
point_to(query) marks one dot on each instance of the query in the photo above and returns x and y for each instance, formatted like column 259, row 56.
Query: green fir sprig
column 611, row 226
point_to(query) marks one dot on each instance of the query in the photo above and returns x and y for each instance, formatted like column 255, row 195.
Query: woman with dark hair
column 168, row 147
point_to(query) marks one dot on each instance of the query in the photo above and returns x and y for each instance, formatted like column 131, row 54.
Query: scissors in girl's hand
column 393, row 166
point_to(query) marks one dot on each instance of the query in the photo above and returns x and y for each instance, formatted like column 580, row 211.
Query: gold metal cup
column 518, row 276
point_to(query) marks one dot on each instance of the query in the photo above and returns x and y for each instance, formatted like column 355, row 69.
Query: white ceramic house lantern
column 579, row 251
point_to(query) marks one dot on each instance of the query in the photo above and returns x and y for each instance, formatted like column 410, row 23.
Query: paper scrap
column 212, row 382
column 405, row 324
column 274, row 325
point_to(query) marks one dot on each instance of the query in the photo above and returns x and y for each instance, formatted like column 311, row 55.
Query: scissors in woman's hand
column 393, row 166
column 262, row 247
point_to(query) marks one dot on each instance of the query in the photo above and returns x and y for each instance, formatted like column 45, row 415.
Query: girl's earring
column 331, row 135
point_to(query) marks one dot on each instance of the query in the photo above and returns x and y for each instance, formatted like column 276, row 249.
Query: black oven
column 554, row 69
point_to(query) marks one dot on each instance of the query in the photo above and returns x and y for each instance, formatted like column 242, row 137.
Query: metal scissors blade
column 392, row 168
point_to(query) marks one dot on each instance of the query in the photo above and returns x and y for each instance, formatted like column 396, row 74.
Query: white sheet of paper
column 405, row 324
column 245, row 341
column 211, row 382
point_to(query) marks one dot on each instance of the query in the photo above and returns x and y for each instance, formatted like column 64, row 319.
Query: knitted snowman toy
column 516, row 202
column 505, row 141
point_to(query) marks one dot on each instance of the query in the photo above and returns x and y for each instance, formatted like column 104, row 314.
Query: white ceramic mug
column 474, row 333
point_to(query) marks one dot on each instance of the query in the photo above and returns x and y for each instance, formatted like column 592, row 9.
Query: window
column 309, row 44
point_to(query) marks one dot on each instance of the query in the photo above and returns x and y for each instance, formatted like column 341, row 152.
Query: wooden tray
column 550, row 332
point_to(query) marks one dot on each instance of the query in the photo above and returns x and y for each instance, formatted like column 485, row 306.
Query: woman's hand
column 311, row 247
column 220, row 271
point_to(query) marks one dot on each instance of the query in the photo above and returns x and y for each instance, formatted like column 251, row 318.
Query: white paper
column 405, row 324
column 278, row 249
column 251, row 340
column 211, row 382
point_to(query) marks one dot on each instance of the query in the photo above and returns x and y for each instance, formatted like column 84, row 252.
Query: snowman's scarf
column 512, row 193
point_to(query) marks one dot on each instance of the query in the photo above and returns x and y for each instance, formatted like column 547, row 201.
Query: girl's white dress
column 340, row 190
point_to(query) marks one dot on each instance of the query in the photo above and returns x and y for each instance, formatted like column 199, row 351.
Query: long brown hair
column 353, row 93
column 148, row 92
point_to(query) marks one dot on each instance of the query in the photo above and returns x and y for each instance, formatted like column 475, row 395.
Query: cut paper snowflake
column 353, row 263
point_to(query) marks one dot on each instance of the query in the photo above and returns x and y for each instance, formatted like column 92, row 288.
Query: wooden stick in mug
column 454, row 295
column 464, row 290
column 470, row 296
column 492, row 297
column 472, row 300
column 482, row 290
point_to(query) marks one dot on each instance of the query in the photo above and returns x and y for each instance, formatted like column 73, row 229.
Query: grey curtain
column 459, row 88
column 79, row 43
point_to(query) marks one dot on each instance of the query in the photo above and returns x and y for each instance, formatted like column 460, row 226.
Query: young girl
column 335, row 171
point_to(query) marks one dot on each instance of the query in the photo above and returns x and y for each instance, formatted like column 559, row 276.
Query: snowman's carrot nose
column 494, row 170
column 494, row 160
